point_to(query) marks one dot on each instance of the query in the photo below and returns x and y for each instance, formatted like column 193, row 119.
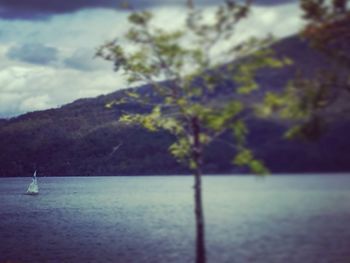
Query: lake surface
column 150, row 219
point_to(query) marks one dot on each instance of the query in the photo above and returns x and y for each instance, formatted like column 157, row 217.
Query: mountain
column 82, row 138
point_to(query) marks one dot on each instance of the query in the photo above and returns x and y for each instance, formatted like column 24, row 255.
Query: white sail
column 33, row 188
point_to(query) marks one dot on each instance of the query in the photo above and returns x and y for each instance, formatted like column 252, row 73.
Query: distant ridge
column 77, row 139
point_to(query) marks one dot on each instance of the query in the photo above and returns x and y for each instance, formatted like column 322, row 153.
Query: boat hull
column 31, row 193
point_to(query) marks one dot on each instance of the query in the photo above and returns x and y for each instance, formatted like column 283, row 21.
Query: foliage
column 187, row 59
column 70, row 141
column 313, row 101
column 77, row 139
column 328, row 27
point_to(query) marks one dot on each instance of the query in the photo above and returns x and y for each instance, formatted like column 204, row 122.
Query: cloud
column 39, row 102
column 33, row 88
column 42, row 9
column 87, row 29
column 35, row 53
column 60, row 67
column 280, row 21
column 84, row 59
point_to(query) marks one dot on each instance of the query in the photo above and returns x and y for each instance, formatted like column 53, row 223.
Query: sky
column 47, row 47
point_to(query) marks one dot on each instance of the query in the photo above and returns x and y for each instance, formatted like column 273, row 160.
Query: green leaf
column 257, row 167
column 180, row 149
column 293, row 131
column 129, row 118
column 140, row 18
column 240, row 131
column 243, row 157
column 133, row 94
column 149, row 123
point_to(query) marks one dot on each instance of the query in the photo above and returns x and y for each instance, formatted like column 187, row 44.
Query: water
column 150, row 219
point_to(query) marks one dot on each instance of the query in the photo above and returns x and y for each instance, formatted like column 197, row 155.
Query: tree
column 315, row 101
column 186, row 68
column 328, row 27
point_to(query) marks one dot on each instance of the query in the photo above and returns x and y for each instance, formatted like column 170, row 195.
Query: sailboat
column 33, row 188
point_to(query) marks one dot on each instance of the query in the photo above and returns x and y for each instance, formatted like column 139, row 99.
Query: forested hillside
column 84, row 138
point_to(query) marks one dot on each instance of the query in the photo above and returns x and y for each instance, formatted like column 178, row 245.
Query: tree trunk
column 190, row 4
column 197, row 158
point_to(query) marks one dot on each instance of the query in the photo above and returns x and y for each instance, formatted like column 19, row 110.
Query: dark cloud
column 33, row 9
column 34, row 53
column 41, row 9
